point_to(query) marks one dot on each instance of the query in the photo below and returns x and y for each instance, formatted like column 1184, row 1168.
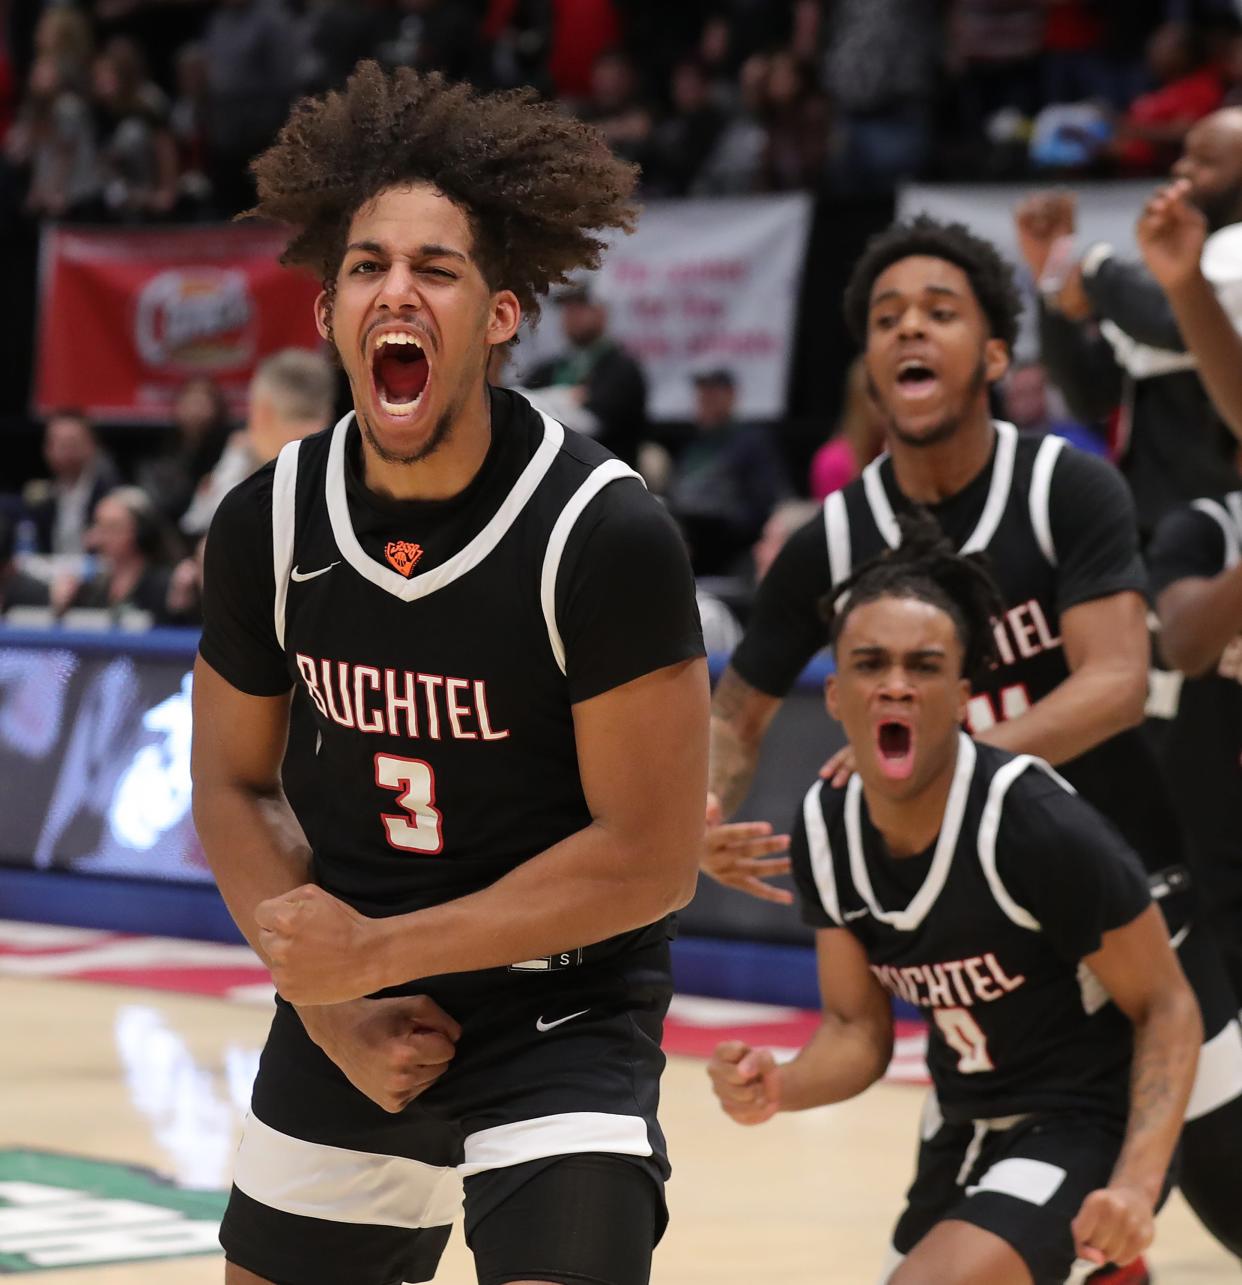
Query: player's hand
column 389, row 1049
column 739, row 855
column 319, row 949
column 1040, row 221
column 839, row 768
column 1171, row 233
column 1114, row 1225
column 747, row 1081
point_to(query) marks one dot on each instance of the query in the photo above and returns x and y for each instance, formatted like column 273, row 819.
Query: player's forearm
column 255, row 848
column 839, row 1061
column 590, row 886
column 1166, row 1050
column 1216, row 345
column 1091, row 705
column 740, row 718
column 1202, row 621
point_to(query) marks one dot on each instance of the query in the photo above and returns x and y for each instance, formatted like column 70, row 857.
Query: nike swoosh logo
column 541, row 1025
column 299, row 576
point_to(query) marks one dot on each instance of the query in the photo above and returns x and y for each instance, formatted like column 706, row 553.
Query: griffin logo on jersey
column 403, row 556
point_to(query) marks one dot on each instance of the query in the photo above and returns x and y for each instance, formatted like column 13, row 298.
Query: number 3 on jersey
column 962, row 1034
column 982, row 712
column 418, row 830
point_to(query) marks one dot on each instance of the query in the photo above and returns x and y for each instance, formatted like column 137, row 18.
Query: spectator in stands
column 857, row 439
column 183, row 604
column 132, row 547
column 1026, row 403
column 683, row 140
column 735, row 165
column 726, row 481
column 519, row 35
column 881, row 60
column 201, row 431
column 1189, row 86
column 600, row 388
column 137, row 154
column 53, row 143
column 432, row 35
column 17, row 588
column 795, row 115
column 334, row 36
column 996, row 46
column 616, row 108
column 581, row 33
column 81, row 472
column 1109, row 338
column 188, row 121
column 63, row 33
column 291, row 395
column 252, row 58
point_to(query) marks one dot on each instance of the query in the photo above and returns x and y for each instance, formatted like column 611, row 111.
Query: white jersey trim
column 343, row 1186
column 821, row 852
column 1041, row 492
column 572, row 1133
column 942, row 859
column 597, row 479
column 1223, row 519
column 463, row 560
column 284, row 505
column 1218, row 1078
column 989, row 829
column 837, row 534
column 993, row 507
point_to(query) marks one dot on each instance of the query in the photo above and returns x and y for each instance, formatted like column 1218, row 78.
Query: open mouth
column 400, row 370
column 895, row 746
column 915, row 378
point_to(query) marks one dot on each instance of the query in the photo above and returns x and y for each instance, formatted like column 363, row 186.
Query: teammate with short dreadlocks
column 975, row 884
column 494, row 627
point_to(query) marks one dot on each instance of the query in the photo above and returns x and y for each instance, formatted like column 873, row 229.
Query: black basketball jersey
column 1058, row 530
column 1202, row 749
column 987, row 931
column 440, row 751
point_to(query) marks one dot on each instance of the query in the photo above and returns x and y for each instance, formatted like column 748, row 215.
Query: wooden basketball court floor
column 159, row 1080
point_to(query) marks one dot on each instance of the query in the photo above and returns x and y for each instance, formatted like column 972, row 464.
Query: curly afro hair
column 535, row 185
column 991, row 278
column 926, row 566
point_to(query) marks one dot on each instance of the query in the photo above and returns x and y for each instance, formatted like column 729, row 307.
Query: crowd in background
column 148, row 110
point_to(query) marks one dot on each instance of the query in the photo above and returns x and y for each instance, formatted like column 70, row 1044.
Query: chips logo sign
column 196, row 319
column 59, row 1211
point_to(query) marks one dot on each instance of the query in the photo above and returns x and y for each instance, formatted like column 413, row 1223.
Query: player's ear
column 504, row 318
column 995, row 360
column 323, row 314
column 830, row 696
column 963, row 698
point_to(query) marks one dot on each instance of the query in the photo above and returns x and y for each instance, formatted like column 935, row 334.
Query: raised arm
column 1108, row 653
column 1171, row 233
column 1137, row 967
column 848, row 1053
column 642, row 757
column 1199, row 618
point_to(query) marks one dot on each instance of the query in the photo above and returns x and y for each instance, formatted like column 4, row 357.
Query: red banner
column 126, row 316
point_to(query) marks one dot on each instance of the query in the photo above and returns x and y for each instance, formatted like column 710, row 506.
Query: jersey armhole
column 837, row 535
column 596, row 480
column 1223, row 519
column 1040, row 495
column 822, row 870
column 284, row 500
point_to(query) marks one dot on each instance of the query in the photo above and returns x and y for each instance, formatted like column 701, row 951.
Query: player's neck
column 930, row 474
column 448, row 470
column 908, row 826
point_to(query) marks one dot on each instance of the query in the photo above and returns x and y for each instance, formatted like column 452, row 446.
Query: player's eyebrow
column 874, row 650
column 885, row 295
column 429, row 251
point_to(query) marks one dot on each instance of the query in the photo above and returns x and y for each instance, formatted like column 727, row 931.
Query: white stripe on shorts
column 555, row 1135
column 1035, row 1181
column 1218, row 1078
column 342, row 1186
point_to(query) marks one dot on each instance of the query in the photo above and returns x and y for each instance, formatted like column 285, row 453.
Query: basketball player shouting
column 975, row 884
column 937, row 312
column 495, row 628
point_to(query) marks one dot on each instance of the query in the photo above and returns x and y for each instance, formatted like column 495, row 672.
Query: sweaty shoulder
column 1093, row 529
column 625, row 600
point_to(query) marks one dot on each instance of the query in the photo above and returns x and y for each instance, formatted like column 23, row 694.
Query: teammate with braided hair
column 975, row 884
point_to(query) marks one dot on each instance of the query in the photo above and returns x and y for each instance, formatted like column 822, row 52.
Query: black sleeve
column 1080, row 362
column 625, row 603
column 1094, row 530
column 239, row 591
column 1129, row 296
column 785, row 628
column 810, row 905
column 1067, row 865
column 1187, row 545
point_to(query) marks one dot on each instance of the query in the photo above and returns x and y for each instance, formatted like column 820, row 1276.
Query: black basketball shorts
column 1022, row 1179
column 329, row 1189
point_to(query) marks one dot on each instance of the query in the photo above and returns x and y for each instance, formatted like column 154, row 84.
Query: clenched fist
column 747, row 1081
column 1114, row 1225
